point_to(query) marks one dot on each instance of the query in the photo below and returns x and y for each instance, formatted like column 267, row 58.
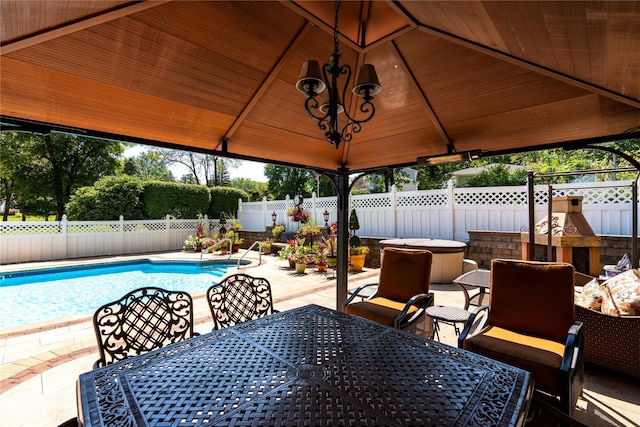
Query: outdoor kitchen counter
column 448, row 255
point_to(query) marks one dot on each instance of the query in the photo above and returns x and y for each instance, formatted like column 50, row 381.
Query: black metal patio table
column 309, row 366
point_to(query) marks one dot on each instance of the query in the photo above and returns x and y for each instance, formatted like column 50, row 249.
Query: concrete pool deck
column 39, row 363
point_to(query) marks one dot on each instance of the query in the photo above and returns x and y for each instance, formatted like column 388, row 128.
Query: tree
column 10, row 151
column 497, row 176
column 148, row 165
column 256, row 190
column 283, row 181
column 49, row 168
column 205, row 168
column 434, row 177
column 382, row 182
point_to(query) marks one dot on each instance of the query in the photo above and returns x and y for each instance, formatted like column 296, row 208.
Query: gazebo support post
column 343, row 237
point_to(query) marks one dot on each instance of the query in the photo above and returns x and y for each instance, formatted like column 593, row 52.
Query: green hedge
column 132, row 198
column 176, row 199
column 225, row 200
column 109, row 198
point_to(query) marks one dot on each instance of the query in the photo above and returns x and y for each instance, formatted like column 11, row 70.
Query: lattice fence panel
column 422, row 199
column 491, row 198
column 93, row 227
column 371, row 201
column 30, row 227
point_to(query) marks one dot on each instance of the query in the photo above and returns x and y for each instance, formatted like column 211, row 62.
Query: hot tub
column 448, row 255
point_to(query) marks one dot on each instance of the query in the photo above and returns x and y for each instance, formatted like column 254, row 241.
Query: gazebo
column 457, row 79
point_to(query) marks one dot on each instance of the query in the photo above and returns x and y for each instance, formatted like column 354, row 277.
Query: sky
column 246, row 169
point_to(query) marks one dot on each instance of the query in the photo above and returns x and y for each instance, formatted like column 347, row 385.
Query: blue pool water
column 37, row 295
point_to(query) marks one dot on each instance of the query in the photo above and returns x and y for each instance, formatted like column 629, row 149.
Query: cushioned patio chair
column 239, row 298
column 403, row 290
column 141, row 321
column 531, row 324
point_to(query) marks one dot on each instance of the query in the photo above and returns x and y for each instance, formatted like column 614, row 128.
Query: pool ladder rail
column 258, row 243
column 206, row 250
column 249, row 250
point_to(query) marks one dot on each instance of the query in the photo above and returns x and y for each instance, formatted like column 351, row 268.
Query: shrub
column 176, row 199
column 224, row 200
column 109, row 198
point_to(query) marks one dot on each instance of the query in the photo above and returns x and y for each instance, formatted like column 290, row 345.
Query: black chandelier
column 312, row 83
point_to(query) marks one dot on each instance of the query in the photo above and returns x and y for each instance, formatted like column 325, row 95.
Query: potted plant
column 296, row 253
column 236, row 240
column 207, row 244
column 286, row 252
column 357, row 254
column 307, row 232
column 331, row 246
column 277, row 231
column 320, row 259
column 266, row 247
column 195, row 240
column 301, row 259
column 222, row 246
column 298, row 214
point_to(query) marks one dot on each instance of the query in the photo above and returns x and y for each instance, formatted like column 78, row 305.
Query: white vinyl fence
column 450, row 213
column 446, row 214
column 48, row 240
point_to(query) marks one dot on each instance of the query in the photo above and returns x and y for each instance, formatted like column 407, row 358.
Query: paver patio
column 40, row 363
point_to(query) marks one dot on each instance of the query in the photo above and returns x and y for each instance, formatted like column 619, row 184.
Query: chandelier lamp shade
column 314, row 80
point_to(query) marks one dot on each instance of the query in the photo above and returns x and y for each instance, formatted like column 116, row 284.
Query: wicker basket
column 610, row 342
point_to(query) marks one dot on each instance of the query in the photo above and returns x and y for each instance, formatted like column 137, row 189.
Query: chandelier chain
column 335, row 27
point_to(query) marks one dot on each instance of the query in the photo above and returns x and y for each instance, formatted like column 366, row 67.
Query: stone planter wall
column 483, row 246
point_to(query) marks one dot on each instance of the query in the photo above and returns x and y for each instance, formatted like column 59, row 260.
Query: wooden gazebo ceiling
column 497, row 76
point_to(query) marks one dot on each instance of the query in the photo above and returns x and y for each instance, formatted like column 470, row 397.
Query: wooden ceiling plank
column 433, row 117
column 269, row 79
column 534, row 67
column 79, row 26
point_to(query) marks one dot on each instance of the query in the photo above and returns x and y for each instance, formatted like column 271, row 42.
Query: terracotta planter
column 321, row 267
column 224, row 251
column 235, row 248
column 292, row 263
column 300, row 268
column 356, row 262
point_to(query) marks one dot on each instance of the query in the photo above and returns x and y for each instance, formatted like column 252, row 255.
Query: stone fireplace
column 567, row 236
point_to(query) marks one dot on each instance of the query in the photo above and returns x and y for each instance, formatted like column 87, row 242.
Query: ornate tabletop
column 307, row 366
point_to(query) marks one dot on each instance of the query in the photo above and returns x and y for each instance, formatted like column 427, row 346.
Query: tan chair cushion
column 381, row 310
column 532, row 298
column 404, row 273
column 539, row 356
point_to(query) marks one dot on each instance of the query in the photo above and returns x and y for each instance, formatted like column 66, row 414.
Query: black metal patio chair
column 143, row 320
column 239, row 298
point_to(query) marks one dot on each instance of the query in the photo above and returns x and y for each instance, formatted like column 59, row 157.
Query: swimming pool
column 36, row 295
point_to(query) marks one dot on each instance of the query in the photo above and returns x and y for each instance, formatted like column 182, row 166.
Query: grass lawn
column 18, row 217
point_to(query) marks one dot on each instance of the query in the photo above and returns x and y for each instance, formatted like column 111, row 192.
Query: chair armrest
column 572, row 348
column 97, row 364
column 469, row 323
column 355, row 293
column 428, row 301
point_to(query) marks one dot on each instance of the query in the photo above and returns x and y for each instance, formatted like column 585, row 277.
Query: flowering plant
column 331, row 244
column 320, row 256
column 207, row 242
column 334, row 227
column 299, row 214
column 195, row 240
column 285, row 253
column 302, row 258
column 306, row 233
column 297, row 252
